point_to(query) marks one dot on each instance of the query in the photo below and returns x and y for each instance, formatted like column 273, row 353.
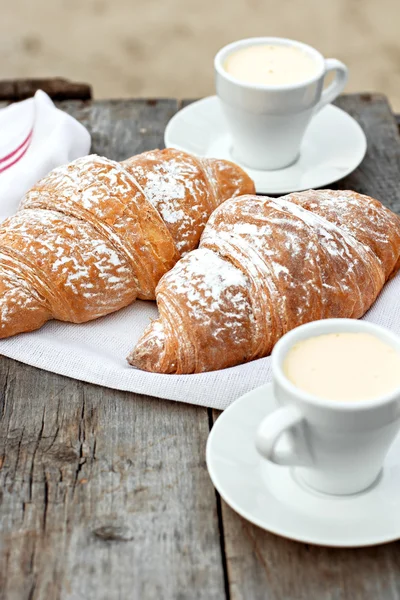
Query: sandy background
column 165, row 48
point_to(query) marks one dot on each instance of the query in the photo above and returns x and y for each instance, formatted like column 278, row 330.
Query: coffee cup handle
column 287, row 419
column 336, row 87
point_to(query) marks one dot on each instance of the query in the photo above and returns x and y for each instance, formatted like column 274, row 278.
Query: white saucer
column 269, row 495
column 333, row 146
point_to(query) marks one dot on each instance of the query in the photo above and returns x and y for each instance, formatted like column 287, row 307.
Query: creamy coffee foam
column 271, row 64
column 343, row 366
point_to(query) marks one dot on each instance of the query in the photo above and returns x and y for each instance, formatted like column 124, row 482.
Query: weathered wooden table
column 105, row 495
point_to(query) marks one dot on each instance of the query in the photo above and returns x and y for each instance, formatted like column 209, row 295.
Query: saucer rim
column 274, row 191
column 281, row 532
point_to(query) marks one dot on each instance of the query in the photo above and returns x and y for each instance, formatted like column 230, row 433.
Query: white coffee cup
column 268, row 122
column 337, row 447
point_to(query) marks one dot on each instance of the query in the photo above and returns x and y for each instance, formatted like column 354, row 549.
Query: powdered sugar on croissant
column 169, row 183
column 90, row 237
column 263, row 267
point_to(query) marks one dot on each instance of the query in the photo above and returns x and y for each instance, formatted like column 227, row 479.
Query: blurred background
column 166, row 47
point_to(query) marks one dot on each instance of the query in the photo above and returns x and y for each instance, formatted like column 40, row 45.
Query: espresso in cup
column 343, row 366
column 271, row 64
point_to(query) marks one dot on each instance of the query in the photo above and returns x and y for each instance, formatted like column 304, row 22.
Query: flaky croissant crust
column 94, row 235
column 265, row 266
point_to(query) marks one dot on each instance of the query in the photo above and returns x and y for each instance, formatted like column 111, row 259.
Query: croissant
column 94, row 235
column 265, row 266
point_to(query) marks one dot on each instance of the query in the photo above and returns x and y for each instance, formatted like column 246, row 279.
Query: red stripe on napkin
column 13, row 157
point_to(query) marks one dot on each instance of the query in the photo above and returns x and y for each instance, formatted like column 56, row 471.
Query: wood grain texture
column 122, row 128
column 104, row 494
column 262, row 565
column 379, row 173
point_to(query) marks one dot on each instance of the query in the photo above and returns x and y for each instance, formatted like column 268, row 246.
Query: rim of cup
column 321, row 327
column 224, row 52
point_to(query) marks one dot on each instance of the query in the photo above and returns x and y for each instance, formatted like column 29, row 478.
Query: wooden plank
column 13, row 90
column 122, row 128
column 379, row 173
column 260, row 565
column 104, row 494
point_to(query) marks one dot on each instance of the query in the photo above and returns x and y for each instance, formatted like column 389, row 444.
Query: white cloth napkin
column 96, row 352
column 35, row 137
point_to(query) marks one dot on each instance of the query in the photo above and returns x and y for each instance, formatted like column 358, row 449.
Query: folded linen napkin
column 35, row 137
